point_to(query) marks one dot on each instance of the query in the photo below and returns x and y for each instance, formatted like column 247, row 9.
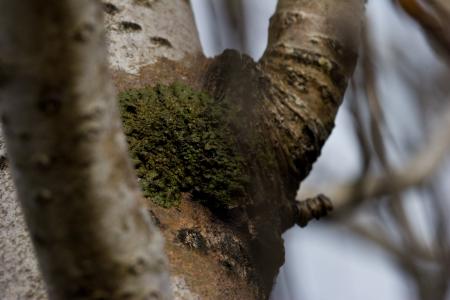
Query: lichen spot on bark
column 180, row 141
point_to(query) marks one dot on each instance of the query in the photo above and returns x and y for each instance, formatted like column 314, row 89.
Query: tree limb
column 419, row 169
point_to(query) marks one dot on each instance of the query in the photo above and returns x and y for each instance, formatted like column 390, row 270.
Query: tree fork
column 285, row 106
column 283, row 111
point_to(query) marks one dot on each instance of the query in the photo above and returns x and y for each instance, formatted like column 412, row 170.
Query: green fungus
column 180, row 141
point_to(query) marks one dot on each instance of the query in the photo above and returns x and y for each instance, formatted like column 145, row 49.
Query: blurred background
column 385, row 166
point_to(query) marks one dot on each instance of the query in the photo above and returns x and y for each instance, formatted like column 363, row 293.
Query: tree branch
column 420, row 168
column 310, row 57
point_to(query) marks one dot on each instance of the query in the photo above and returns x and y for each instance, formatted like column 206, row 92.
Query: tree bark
column 69, row 156
column 283, row 109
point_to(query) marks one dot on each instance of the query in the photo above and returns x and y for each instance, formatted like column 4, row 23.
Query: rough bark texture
column 69, row 156
column 19, row 275
column 143, row 31
column 282, row 111
column 311, row 55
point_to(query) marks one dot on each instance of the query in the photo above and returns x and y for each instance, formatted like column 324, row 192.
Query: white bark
column 19, row 275
column 69, row 156
column 128, row 51
column 141, row 32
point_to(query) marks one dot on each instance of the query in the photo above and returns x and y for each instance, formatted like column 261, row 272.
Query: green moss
column 180, row 141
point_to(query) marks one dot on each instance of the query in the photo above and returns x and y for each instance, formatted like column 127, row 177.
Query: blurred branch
column 427, row 269
column 234, row 11
column 363, row 141
column 397, row 231
column 433, row 18
column 416, row 172
column 379, row 237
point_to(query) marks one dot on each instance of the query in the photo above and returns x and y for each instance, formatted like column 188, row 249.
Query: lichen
column 180, row 141
column 193, row 239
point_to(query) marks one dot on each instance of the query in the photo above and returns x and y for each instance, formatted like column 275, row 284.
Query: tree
column 384, row 202
column 222, row 206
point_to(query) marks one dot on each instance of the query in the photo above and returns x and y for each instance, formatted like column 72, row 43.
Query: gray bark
column 141, row 32
column 69, row 157
column 19, row 275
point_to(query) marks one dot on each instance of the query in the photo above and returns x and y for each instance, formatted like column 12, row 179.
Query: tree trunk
column 69, row 156
column 225, row 242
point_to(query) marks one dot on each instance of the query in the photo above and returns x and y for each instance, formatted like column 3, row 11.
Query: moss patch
column 180, row 141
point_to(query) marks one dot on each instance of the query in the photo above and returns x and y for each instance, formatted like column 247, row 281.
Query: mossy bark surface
column 181, row 141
